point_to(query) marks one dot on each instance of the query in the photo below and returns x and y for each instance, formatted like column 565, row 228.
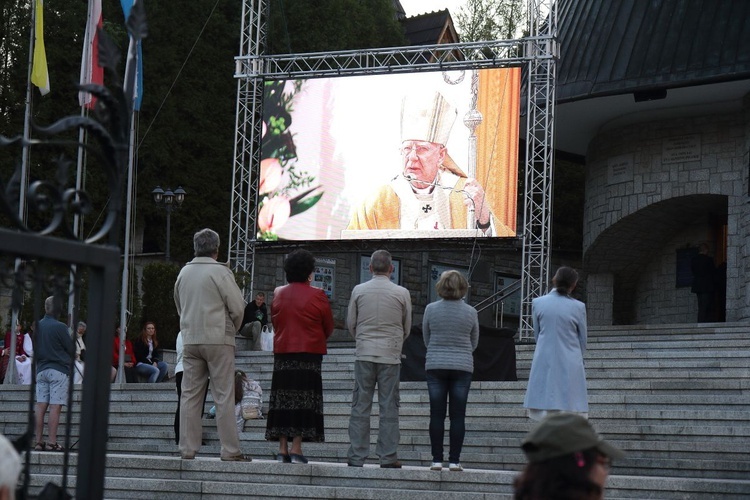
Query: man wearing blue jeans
column 379, row 319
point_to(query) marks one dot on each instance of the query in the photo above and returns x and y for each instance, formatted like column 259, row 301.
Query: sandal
column 54, row 447
column 40, row 446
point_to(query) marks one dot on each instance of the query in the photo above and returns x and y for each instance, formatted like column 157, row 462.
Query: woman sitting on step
column 80, row 353
column 24, row 353
column 128, row 364
column 148, row 355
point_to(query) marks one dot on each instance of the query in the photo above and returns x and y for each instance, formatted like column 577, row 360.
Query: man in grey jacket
column 379, row 319
column 210, row 305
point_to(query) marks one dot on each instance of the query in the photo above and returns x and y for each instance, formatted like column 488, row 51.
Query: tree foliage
column 158, row 302
column 481, row 20
column 297, row 26
column 186, row 123
column 186, row 126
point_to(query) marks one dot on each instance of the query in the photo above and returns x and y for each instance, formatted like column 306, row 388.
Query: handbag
column 266, row 338
column 250, row 412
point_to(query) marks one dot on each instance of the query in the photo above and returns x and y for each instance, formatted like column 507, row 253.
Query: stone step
column 146, row 476
column 481, row 401
column 676, row 403
column 685, row 450
column 507, row 403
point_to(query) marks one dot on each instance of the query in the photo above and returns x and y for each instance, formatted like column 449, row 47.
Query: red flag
column 91, row 72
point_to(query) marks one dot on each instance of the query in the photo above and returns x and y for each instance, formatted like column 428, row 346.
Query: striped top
column 450, row 329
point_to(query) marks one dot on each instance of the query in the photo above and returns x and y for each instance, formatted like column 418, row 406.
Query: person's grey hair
column 81, row 324
column 10, row 466
column 49, row 305
column 206, row 243
column 381, row 262
column 452, row 285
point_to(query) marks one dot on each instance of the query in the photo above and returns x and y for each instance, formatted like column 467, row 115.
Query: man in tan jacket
column 379, row 319
column 210, row 305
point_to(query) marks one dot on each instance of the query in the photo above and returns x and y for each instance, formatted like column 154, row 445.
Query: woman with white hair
column 10, row 468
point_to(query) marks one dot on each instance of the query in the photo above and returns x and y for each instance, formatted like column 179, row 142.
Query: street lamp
column 170, row 200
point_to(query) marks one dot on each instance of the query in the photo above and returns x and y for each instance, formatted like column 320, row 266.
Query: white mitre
column 427, row 117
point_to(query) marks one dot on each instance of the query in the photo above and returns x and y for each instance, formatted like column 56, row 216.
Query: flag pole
column 126, row 255
column 77, row 220
column 10, row 374
column 132, row 92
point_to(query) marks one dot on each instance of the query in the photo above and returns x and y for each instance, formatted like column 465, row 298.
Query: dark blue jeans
column 444, row 386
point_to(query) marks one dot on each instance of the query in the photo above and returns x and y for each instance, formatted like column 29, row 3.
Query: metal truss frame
column 248, row 131
column 536, row 53
column 540, row 119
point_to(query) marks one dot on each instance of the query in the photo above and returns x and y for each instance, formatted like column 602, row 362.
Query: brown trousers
column 200, row 362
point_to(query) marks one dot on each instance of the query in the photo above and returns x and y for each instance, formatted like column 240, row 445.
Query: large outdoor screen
column 390, row 156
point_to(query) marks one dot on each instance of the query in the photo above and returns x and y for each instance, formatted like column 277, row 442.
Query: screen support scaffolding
column 536, row 53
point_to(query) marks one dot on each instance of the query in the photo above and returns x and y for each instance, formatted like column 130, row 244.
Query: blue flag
column 135, row 55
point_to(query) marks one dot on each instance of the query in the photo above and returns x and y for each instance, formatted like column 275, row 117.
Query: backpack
column 252, row 400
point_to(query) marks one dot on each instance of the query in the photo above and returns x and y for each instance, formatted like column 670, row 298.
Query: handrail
column 498, row 296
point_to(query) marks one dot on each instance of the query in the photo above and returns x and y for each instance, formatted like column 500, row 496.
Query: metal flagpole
column 77, row 222
column 126, row 255
column 10, row 374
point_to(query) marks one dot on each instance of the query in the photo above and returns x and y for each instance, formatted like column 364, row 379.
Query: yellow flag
column 39, row 73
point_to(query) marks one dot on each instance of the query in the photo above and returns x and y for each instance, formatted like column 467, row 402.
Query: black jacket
column 140, row 349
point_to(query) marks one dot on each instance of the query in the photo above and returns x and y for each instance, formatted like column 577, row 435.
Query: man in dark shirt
column 54, row 350
column 254, row 319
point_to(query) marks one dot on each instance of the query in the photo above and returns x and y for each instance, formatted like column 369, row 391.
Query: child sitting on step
column 247, row 399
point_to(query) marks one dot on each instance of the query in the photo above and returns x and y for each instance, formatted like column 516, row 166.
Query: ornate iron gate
column 44, row 256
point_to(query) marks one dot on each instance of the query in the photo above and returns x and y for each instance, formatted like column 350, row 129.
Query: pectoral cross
column 426, row 208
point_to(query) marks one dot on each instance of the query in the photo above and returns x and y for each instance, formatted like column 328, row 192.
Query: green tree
column 158, row 302
column 186, row 122
column 297, row 26
column 481, row 20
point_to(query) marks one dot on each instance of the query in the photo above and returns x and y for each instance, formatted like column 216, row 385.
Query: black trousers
column 178, row 384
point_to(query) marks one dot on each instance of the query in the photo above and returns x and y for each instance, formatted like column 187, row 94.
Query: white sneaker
column 436, row 466
column 455, row 467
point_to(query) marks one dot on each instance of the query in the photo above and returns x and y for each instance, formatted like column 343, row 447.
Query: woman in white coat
column 80, row 352
column 557, row 382
column 24, row 353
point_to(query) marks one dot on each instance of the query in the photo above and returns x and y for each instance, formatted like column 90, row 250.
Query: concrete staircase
column 674, row 397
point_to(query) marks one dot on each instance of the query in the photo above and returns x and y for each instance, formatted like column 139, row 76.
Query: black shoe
column 392, row 465
column 283, row 459
column 297, row 459
column 350, row 464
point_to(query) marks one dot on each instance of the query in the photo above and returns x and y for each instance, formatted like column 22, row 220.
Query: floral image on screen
column 285, row 189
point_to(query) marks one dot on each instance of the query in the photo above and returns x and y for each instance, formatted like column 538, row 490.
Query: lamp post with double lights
column 170, row 200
